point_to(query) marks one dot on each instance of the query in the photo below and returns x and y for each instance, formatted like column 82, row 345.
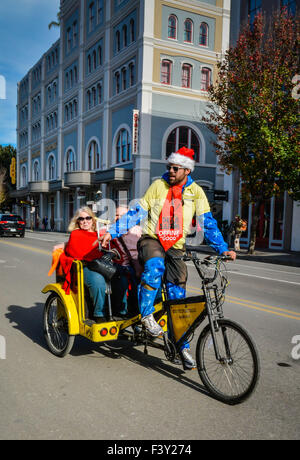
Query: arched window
column 183, row 136
column 36, row 171
column 166, row 67
column 203, row 37
column 51, row 167
column 23, row 176
column 188, row 30
column 94, row 60
column 89, row 63
column 117, row 82
column 93, row 156
column 131, row 74
column 124, row 78
column 99, row 55
column 123, row 146
column 70, row 161
column 186, row 76
column 118, row 41
column 172, row 27
column 132, row 30
column 205, row 78
column 124, row 33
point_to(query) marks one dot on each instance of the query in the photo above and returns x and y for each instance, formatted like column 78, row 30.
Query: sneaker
column 187, row 360
column 151, row 326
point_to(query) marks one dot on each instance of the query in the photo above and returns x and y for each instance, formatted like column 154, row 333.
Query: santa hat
column 183, row 157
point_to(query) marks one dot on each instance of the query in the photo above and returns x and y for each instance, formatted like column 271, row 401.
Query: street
column 95, row 394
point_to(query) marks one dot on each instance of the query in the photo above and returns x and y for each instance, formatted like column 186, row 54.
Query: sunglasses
column 81, row 219
column 175, row 168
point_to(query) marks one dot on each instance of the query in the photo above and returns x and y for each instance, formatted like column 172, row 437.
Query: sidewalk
column 291, row 259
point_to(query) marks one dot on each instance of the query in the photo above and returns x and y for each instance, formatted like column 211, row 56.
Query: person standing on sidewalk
column 170, row 204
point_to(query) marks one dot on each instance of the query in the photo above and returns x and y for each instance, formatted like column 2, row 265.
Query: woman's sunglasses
column 175, row 168
column 81, row 219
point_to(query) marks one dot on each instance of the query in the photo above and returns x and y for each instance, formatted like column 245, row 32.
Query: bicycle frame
column 186, row 308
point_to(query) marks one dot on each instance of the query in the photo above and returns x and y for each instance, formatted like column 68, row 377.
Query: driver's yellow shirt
column 194, row 203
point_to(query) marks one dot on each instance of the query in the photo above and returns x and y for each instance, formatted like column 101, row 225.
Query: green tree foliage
column 6, row 154
column 253, row 112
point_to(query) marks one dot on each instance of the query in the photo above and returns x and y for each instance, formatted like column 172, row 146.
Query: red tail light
column 21, row 222
column 3, row 221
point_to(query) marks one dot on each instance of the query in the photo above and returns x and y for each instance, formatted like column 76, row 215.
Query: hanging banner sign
column 135, row 131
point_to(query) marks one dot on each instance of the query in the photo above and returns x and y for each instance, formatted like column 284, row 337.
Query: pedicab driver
column 169, row 204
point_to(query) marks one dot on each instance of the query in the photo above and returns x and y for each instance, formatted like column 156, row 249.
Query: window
column 118, row 41
column 188, row 30
column 203, row 37
column 70, row 161
column 89, row 63
column 132, row 30
column 124, row 32
column 166, row 67
column 51, row 168
column 69, row 39
column 131, row 74
column 172, row 27
column 75, row 32
column 124, row 78
column 93, row 156
column 186, row 76
column 117, row 82
column 99, row 51
column 23, row 176
column 91, row 16
column 36, row 171
column 123, row 146
column 183, row 136
column 254, row 9
column 99, row 93
column 205, row 79
column 99, row 11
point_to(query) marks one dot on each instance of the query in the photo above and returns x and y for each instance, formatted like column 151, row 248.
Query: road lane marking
column 28, row 248
column 264, row 278
column 256, row 305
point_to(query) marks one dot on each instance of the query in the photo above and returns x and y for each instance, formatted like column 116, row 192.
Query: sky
column 24, row 38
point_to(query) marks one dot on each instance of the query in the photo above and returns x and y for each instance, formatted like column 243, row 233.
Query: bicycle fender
column 69, row 305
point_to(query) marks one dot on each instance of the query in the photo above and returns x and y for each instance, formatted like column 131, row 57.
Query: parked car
column 12, row 224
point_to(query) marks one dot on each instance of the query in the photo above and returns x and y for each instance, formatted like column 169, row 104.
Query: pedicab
column 226, row 355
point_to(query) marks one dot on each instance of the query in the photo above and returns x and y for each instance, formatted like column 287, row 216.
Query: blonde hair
column 74, row 221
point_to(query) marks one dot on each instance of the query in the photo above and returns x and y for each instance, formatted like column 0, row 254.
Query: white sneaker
column 151, row 325
column 187, row 360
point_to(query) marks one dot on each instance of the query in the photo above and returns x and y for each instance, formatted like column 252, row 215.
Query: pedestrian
column 238, row 226
column 169, row 204
column 52, row 224
column 45, row 223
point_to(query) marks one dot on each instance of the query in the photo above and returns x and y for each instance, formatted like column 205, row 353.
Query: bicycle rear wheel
column 234, row 376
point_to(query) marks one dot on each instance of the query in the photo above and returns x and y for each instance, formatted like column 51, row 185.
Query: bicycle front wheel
column 232, row 377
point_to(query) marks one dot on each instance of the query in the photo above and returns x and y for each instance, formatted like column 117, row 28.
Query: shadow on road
column 28, row 320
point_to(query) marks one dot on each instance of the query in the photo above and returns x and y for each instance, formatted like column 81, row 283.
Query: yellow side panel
column 183, row 317
column 69, row 304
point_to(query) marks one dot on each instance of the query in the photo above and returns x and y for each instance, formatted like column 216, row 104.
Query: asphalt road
column 95, row 394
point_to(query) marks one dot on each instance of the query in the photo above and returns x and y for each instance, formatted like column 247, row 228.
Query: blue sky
column 24, row 38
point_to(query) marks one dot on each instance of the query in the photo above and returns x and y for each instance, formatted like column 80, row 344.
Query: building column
column 142, row 160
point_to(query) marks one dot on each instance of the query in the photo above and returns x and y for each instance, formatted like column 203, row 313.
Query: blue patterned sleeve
column 133, row 217
column 212, row 234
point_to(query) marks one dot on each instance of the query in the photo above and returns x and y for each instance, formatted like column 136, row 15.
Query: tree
column 6, row 155
column 55, row 23
column 253, row 112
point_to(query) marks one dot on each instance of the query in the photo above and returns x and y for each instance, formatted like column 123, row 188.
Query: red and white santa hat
column 183, row 157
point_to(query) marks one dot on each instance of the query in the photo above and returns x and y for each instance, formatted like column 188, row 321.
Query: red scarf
column 170, row 224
